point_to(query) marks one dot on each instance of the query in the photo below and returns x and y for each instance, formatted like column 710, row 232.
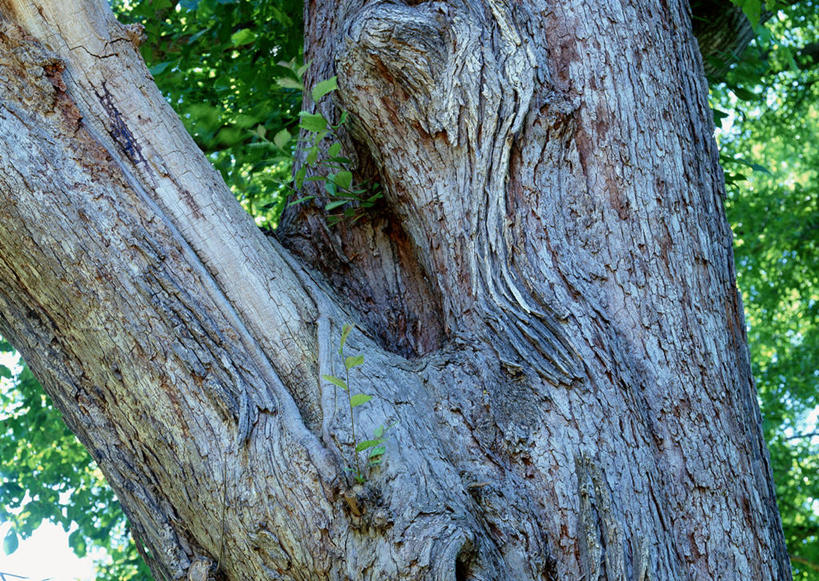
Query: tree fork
column 553, row 256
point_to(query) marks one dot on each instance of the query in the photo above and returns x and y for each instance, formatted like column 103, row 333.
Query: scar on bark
column 118, row 130
column 602, row 543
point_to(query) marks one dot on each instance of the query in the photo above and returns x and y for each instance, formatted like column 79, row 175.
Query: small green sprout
column 374, row 447
column 345, row 200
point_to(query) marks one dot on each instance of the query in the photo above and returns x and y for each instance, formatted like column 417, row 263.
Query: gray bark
column 546, row 302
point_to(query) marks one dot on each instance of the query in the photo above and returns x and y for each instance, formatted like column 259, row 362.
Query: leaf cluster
column 333, row 170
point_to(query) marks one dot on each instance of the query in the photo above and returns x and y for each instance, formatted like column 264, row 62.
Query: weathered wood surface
column 547, row 298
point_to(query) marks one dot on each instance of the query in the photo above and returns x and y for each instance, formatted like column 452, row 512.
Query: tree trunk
column 546, row 302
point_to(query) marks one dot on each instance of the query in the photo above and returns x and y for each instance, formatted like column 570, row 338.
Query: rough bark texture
column 547, row 301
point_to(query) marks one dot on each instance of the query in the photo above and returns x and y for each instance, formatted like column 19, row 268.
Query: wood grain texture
column 547, row 302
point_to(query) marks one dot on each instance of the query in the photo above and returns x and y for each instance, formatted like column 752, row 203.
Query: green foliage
column 215, row 61
column 770, row 150
column 753, row 8
column 46, row 474
column 374, row 447
column 333, row 170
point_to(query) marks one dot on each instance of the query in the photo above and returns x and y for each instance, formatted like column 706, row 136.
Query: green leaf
column 160, row 68
column 77, row 542
column 366, row 444
column 324, row 87
column 751, row 8
column 11, row 542
column 289, row 83
column 334, row 150
column 335, row 381
column 300, row 200
column 345, row 332
column 377, row 451
column 719, row 115
column 312, row 122
column 335, row 203
column 379, row 431
column 230, row 136
column 242, row 37
column 754, row 166
column 332, row 189
column 282, row 138
column 353, row 361
column 5, row 372
column 359, row 399
column 318, row 136
column 735, row 178
column 343, row 179
column 744, row 94
column 300, row 175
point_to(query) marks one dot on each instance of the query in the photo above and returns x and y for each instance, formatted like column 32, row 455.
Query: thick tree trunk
column 547, row 299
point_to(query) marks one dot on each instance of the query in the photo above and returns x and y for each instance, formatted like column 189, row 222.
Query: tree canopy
column 231, row 70
column 769, row 108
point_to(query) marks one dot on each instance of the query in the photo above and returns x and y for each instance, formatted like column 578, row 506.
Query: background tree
column 769, row 151
column 405, row 346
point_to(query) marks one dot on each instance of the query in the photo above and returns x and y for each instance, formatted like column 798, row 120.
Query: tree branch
column 805, row 562
column 723, row 32
column 800, row 436
column 143, row 134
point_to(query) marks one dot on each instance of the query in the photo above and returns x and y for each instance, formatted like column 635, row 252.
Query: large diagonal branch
column 167, row 316
column 122, row 108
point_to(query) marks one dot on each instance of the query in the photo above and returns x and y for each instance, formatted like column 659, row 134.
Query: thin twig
column 798, row 436
column 805, row 562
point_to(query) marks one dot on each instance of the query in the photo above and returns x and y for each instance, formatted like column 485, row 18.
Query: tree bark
column 546, row 302
column 723, row 32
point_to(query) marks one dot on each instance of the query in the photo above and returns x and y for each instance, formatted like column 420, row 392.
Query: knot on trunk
column 440, row 92
column 437, row 67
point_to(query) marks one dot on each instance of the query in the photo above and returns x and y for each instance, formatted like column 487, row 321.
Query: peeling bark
column 546, row 300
